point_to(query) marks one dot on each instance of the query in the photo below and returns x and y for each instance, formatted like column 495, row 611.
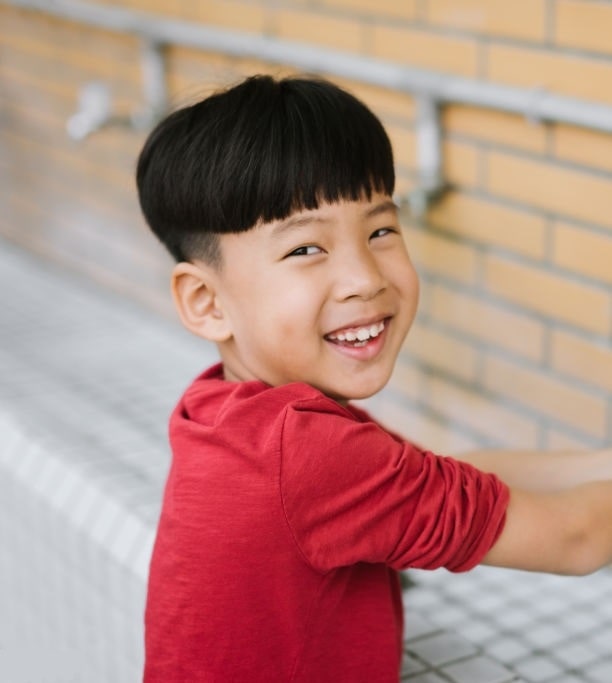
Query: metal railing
column 431, row 89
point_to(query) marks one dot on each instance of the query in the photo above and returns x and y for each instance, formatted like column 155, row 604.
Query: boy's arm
column 564, row 532
column 559, row 518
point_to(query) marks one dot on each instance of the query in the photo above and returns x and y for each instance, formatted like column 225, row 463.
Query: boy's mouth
column 356, row 336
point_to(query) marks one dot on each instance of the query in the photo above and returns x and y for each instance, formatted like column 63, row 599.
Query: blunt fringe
column 258, row 151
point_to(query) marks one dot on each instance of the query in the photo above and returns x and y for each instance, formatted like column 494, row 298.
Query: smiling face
column 325, row 297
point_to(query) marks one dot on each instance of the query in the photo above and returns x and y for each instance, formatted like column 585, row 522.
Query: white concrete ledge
column 88, row 380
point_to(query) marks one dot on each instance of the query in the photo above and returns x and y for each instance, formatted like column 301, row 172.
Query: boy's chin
column 355, row 393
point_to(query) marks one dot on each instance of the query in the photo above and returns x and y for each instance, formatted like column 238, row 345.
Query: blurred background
column 510, row 230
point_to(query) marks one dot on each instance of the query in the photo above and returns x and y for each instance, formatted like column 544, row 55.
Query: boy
column 287, row 511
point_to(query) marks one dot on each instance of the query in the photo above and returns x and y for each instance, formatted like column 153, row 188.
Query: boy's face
column 324, row 297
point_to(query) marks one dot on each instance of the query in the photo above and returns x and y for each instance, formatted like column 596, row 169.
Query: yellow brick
column 461, row 163
column 585, row 25
column 248, row 67
column 66, row 159
column 403, row 186
column 36, row 113
column 583, row 146
column 482, row 415
column 442, row 351
column 520, row 19
column 116, row 147
column 29, row 85
column 547, row 396
column 584, row 252
column 560, row 441
column 549, row 294
column 339, row 34
column 586, row 360
column 396, row 9
column 404, row 145
column 560, row 190
column 382, row 101
column 565, row 74
column 152, row 6
column 488, row 322
column 418, row 427
column 495, row 126
column 490, row 223
column 408, row 379
column 424, row 49
column 56, row 42
column 21, row 23
column 65, row 235
column 131, row 4
column 193, row 74
column 179, row 56
column 231, row 14
column 39, row 43
column 44, row 175
column 184, row 90
column 174, row 7
column 439, row 255
column 73, row 65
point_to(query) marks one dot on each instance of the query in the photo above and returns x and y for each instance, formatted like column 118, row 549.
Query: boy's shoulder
column 252, row 421
column 210, row 399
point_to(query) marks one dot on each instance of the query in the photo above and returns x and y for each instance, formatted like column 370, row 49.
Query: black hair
column 258, row 151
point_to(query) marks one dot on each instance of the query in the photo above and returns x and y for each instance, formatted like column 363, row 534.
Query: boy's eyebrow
column 300, row 220
column 383, row 207
column 297, row 221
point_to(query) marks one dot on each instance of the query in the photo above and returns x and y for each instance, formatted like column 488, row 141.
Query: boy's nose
column 359, row 278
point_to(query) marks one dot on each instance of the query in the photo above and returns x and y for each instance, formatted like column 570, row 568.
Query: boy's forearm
column 542, row 470
column 566, row 532
column 597, row 542
column 560, row 514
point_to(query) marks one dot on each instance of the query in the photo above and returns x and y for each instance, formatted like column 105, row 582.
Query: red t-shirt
column 284, row 520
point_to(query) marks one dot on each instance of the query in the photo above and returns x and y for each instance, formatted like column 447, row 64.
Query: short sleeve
column 353, row 493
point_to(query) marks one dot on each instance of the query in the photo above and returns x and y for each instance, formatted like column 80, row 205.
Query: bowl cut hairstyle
column 258, row 152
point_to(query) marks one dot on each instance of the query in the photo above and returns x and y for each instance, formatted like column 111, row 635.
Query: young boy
column 288, row 511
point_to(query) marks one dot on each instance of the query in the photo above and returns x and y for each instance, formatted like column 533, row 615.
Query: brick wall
column 512, row 346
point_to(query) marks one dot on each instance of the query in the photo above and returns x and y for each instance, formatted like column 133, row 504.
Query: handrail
column 431, row 88
column 536, row 104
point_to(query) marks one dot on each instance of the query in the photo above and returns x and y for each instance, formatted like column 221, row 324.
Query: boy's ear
column 196, row 300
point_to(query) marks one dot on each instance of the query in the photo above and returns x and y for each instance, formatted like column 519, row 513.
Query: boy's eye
column 381, row 232
column 308, row 250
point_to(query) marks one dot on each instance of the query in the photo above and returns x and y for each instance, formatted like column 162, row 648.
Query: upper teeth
column 360, row 333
